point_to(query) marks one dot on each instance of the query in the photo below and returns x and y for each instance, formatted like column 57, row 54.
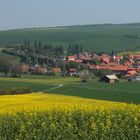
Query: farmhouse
column 72, row 71
column 110, row 78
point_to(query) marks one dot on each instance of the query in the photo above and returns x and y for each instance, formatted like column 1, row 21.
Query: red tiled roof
column 106, row 59
column 134, row 55
column 71, row 57
column 113, row 67
column 79, row 61
column 86, row 58
column 132, row 72
column 127, row 63
column 72, row 70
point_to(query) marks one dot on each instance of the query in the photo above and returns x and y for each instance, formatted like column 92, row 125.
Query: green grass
column 119, row 92
column 15, row 84
column 122, row 92
column 95, row 38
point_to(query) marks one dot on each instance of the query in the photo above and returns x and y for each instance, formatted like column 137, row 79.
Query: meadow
column 95, row 38
column 93, row 89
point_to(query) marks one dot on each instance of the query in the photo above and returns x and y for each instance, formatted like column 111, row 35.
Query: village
column 111, row 67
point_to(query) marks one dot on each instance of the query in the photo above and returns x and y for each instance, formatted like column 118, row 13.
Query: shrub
column 18, row 90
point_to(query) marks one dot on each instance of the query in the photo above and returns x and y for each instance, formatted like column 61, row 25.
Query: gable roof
column 113, row 67
column 71, row 57
column 111, row 77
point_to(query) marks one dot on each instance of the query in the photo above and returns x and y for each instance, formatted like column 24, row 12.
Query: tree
column 72, row 64
column 9, row 64
column 101, row 73
column 96, row 61
column 84, row 75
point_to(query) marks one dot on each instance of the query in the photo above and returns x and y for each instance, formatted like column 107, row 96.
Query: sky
column 49, row 13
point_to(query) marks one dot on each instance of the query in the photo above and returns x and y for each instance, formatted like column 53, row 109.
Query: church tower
column 113, row 55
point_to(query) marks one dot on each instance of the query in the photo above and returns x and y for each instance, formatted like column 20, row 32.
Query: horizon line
column 72, row 25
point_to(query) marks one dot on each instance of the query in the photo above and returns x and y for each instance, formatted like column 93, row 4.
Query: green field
column 119, row 92
column 93, row 37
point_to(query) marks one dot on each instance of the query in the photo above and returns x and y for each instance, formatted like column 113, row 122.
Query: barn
column 109, row 78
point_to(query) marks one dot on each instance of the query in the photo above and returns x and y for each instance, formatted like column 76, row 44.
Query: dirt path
column 58, row 86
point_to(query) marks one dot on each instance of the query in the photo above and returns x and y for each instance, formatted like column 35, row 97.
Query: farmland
column 76, row 110
column 72, row 124
column 45, row 116
column 92, row 37
column 119, row 92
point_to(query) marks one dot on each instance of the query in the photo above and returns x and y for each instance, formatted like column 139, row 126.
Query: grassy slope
column 120, row 92
column 98, row 38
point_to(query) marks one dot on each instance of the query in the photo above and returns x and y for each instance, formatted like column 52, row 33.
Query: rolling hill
column 95, row 38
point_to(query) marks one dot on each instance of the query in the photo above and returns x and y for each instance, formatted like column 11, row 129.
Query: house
column 24, row 68
column 136, row 78
column 131, row 73
column 132, row 56
column 40, row 70
column 87, row 59
column 56, row 70
column 105, row 58
column 79, row 61
column 116, row 68
column 118, row 59
column 71, row 58
column 109, row 78
column 127, row 63
column 72, row 71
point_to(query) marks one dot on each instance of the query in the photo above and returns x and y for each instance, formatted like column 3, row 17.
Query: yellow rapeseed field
column 41, row 116
column 27, row 102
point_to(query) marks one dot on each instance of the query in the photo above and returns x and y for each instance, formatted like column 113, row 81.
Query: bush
column 101, row 73
column 13, row 91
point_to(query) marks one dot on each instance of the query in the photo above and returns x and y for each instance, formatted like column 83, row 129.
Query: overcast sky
column 44, row 13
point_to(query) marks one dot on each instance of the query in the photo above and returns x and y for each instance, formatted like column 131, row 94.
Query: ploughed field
column 95, row 37
column 69, row 111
